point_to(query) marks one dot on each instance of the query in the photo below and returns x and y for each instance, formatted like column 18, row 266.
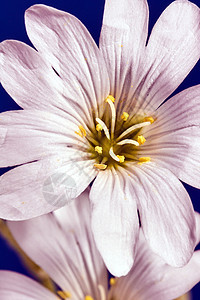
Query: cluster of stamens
column 65, row 295
column 116, row 145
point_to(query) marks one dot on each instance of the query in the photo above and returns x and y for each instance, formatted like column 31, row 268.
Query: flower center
column 115, row 139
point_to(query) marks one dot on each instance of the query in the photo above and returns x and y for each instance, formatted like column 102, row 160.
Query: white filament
column 113, row 119
column 105, row 128
column 113, row 155
column 128, row 141
column 132, row 128
column 102, row 292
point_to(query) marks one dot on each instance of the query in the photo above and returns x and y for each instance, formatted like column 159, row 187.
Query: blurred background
column 90, row 12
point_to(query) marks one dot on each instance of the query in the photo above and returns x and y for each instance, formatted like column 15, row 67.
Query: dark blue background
column 90, row 13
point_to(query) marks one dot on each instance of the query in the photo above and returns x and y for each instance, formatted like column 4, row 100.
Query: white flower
column 62, row 244
column 95, row 113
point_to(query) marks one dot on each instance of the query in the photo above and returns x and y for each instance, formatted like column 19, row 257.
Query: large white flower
column 95, row 113
column 62, row 244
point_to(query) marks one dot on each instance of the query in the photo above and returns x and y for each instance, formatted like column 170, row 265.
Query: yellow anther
column 112, row 281
column 89, row 297
column 98, row 149
column 141, row 140
column 111, row 98
column 149, row 119
column 81, row 132
column 99, row 127
column 125, row 116
column 64, row 294
column 100, row 166
column 121, row 158
column 144, row 159
column 82, row 129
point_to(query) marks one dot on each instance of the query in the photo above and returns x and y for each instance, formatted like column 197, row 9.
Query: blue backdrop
column 90, row 13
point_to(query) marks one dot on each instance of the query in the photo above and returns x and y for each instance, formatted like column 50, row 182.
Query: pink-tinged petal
column 19, row 287
column 177, row 281
column 114, row 221
column 178, row 152
column 122, row 41
column 166, row 213
column 150, row 278
column 174, row 138
column 197, row 217
column 33, row 83
column 67, row 45
column 26, row 136
column 65, row 248
column 40, row 187
column 172, row 51
column 77, row 218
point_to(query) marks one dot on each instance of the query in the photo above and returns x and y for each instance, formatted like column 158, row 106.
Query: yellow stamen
column 99, row 127
column 98, row 149
column 141, row 140
column 125, row 116
column 82, row 129
column 112, row 281
column 149, row 119
column 121, row 158
column 144, row 159
column 64, row 294
column 81, row 132
column 89, row 297
column 111, row 98
column 100, row 166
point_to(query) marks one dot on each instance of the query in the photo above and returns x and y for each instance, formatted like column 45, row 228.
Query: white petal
column 150, row 278
column 32, row 83
column 19, row 287
column 68, row 254
column 67, row 45
column 172, row 51
column 122, row 41
column 114, row 221
column 166, row 213
column 40, row 187
column 173, row 140
column 26, row 136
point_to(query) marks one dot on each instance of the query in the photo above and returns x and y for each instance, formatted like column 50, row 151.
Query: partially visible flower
column 62, row 244
column 97, row 113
